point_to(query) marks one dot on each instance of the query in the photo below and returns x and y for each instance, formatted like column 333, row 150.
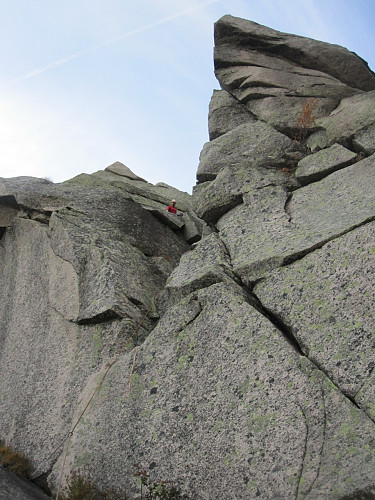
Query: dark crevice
column 324, row 437
column 39, row 215
column 42, row 482
column 351, row 398
column 205, row 177
column 9, row 201
column 136, row 302
column 255, row 83
column 286, row 331
column 288, row 334
column 286, row 206
column 254, row 301
column 271, row 184
column 2, row 231
column 103, row 317
column 349, row 144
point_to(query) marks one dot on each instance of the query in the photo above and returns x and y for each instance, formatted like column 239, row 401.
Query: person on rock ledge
column 172, row 207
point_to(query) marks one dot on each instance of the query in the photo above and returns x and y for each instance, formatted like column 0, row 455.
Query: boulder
column 253, row 143
column 300, row 51
column 274, row 73
column 253, row 82
column 213, row 199
column 208, row 264
column 284, row 112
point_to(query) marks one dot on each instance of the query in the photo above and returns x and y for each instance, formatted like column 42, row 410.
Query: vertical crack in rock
column 286, row 331
column 300, row 473
column 299, row 493
column 286, row 206
column 323, row 440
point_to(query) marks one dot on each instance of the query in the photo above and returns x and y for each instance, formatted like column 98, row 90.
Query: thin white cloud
column 112, row 41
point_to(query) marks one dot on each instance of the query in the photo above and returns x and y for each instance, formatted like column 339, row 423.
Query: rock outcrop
column 230, row 349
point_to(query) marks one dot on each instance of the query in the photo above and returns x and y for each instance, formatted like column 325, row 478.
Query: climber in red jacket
column 172, row 207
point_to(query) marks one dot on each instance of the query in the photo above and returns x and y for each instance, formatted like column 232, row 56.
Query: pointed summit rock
column 121, row 169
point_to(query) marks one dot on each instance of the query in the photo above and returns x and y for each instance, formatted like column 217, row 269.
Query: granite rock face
column 228, row 349
column 81, row 263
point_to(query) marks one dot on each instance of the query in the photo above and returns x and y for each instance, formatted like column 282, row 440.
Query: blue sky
column 85, row 83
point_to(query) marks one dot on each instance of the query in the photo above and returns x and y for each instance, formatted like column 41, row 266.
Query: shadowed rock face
column 13, row 487
column 257, row 381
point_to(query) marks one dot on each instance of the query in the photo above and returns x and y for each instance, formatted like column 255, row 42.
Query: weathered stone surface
column 198, row 388
column 13, row 487
column 45, row 356
column 208, row 264
column 154, row 199
column 318, row 165
column 312, row 54
column 121, row 169
column 227, row 54
column 7, row 214
column 283, row 112
column 172, row 220
column 364, row 140
column 73, row 291
column 225, row 114
column 193, row 228
column 213, row 199
column 140, row 192
column 270, row 229
column 350, row 117
column 248, row 144
column 253, row 82
column 328, row 295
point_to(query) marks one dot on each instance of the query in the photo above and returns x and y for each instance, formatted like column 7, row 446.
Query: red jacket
column 171, row 209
